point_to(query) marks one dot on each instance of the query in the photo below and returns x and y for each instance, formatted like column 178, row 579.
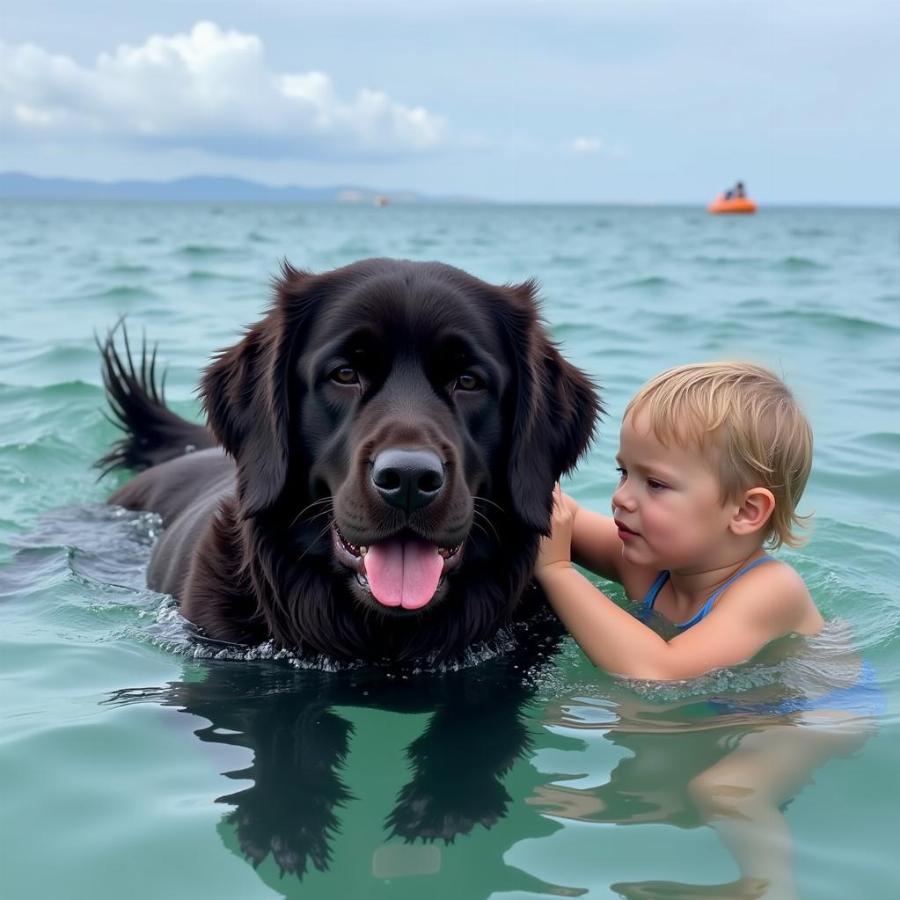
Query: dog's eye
column 469, row 382
column 345, row 375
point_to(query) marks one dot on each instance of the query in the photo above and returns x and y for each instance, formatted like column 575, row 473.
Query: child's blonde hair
column 749, row 418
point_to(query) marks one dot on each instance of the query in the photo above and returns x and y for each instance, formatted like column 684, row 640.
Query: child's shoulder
column 779, row 579
column 776, row 592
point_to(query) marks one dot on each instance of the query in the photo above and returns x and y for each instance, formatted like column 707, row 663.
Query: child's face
column 668, row 503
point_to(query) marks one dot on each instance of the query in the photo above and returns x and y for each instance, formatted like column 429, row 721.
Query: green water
column 131, row 768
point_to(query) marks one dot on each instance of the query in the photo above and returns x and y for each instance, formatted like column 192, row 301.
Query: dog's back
column 171, row 487
column 186, row 492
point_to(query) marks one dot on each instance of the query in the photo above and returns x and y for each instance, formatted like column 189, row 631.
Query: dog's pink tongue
column 403, row 573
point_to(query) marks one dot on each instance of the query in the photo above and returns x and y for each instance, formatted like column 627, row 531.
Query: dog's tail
column 153, row 433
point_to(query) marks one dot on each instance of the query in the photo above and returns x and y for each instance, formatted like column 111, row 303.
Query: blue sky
column 630, row 100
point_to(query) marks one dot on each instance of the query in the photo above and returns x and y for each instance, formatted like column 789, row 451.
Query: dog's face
column 405, row 420
column 402, row 382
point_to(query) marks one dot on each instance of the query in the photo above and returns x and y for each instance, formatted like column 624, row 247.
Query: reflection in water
column 290, row 719
column 732, row 762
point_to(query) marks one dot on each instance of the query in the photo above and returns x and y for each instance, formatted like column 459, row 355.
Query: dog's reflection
column 291, row 721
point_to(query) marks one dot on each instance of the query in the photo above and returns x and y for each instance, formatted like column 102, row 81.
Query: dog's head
column 403, row 421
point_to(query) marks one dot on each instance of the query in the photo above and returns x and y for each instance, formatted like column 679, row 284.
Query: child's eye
column 622, row 473
column 655, row 485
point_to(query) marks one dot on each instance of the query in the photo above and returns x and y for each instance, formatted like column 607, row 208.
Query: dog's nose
column 408, row 479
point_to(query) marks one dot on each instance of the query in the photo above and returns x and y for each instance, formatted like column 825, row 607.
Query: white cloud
column 594, row 146
column 209, row 89
column 586, row 145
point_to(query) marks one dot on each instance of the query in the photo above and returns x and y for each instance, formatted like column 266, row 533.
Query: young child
column 713, row 460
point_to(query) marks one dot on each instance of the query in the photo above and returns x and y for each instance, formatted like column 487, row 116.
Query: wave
column 565, row 261
column 128, row 269
column 648, row 283
column 202, row 251
column 841, row 323
column 55, row 354
column 67, row 390
column 205, row 275
column 727, row 261
column 799, row 264
column 882, row 440
column 120, row 292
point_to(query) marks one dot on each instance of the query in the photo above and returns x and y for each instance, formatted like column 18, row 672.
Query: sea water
column 135, row 764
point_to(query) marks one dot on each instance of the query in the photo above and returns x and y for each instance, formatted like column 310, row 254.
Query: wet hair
column 748, row 422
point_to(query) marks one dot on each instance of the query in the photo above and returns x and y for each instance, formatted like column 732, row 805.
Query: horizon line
column 422, row 197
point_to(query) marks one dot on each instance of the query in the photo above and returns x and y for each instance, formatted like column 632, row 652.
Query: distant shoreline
column 207, row 188
column 215, row 189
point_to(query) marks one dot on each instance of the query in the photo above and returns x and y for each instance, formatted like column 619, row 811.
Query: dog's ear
column 555, row 409
column 245, row 393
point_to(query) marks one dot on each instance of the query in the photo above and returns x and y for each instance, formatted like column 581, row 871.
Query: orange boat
column 733, row 205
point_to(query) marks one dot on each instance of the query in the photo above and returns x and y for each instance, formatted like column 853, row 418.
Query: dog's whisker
column 478, row 515
column 492, row 536
column 490, row 503
column 311, row 519
column 313, row 542
column 320, row 501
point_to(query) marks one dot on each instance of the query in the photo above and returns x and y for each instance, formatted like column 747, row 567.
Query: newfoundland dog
column 377, row 468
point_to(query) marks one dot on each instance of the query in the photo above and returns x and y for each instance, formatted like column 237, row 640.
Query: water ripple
column 650, row 283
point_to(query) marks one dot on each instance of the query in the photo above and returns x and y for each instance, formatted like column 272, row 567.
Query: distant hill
column 201, row 188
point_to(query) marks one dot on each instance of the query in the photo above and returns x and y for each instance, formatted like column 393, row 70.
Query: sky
column 573, row 101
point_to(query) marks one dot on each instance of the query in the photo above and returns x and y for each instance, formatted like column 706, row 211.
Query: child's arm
column 763, row 605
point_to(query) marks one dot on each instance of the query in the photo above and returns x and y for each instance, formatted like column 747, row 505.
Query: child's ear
column 755, row 510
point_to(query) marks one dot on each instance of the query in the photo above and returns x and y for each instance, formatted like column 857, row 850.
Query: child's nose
column 622, row 497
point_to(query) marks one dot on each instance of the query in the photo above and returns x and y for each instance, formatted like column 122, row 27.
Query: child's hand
column 556, row 550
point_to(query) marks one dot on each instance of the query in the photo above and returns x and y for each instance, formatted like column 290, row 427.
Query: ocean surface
column 132, row 766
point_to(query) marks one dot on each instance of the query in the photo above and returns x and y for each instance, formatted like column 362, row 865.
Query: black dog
column 378, row 468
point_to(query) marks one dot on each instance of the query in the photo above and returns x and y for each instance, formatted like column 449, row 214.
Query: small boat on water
column 724, row 205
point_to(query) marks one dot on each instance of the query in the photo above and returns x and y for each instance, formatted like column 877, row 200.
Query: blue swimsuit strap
column 663, row 577
column 655, row 588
